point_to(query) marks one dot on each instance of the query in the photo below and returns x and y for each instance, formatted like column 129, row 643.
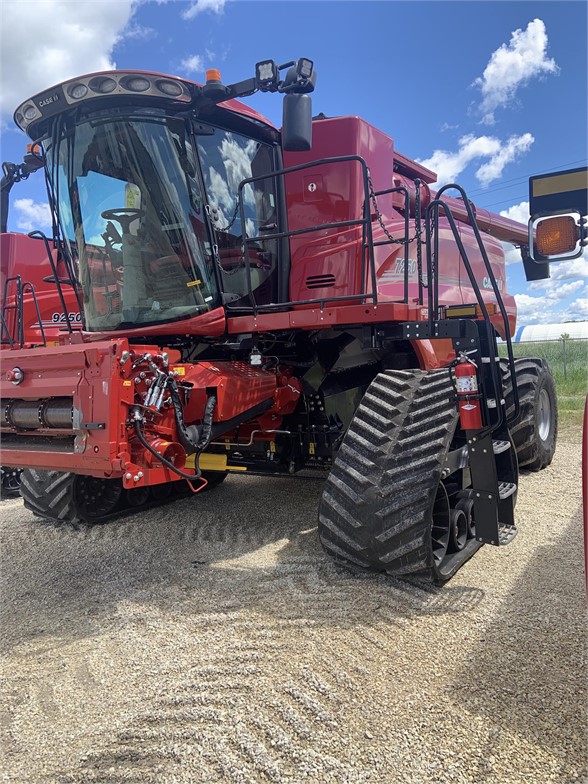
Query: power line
column 524, row 178
column 504, row 201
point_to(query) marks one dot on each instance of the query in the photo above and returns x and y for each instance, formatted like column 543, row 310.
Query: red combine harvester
column 249, row 305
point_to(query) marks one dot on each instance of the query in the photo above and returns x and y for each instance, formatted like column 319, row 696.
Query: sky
column 484, row 93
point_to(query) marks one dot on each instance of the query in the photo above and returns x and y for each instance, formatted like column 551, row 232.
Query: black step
column 500, row 446
column 505, row 489
column 506, row 533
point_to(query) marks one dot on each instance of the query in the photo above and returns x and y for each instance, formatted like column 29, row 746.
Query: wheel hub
column 544, row 415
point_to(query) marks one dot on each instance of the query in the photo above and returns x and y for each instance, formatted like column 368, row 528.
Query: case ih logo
column 48, row 100
column 487, row 283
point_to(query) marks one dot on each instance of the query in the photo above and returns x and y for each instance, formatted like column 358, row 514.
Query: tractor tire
column 69, row 498
column 534, row 431
column 384, row 507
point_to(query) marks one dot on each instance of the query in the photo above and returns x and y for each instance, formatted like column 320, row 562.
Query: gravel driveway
column 212, row 641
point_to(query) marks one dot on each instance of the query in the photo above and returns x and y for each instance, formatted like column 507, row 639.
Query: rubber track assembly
column 55, row 496
column 376, row 511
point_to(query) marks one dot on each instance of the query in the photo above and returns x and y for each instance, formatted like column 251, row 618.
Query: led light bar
column 93, row 86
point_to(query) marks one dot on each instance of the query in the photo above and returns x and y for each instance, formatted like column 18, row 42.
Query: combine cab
column 255, row 301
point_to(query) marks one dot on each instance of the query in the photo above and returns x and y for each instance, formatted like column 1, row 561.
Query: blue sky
column 485, row 93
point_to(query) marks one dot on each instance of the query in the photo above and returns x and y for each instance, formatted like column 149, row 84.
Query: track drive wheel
column 384, row 507
column 69, row 498
column 534, row 431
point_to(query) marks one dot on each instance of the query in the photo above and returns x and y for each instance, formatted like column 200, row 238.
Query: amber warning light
column 556, row 235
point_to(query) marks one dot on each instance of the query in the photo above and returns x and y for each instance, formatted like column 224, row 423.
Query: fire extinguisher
column 468, row 396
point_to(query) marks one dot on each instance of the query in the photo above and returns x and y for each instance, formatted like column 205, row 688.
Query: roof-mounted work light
column 304, row 68
column 267, row 75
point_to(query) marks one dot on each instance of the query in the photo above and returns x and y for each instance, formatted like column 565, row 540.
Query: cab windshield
column 131, row 202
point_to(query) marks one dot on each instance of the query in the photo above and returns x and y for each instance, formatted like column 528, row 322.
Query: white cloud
column 449, row 165
column 565, row 290
column 47, row 41
column 574, row 270
column 514, row 147
column 562, row 297
column 512, row 255
column 577, row 310
column 216, row 6
column 518, row 212
column 512, row 66
column 32, row 215
column 532, row 310
column 193, row 64
column 139, row 32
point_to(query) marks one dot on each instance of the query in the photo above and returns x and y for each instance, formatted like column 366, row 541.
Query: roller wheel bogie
column 384, row 508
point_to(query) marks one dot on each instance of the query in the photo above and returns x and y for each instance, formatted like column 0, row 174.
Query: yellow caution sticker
column 180, row 370
column 194, row 283
column 311, row 448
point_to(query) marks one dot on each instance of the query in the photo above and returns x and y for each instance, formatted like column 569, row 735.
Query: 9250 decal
column 61, row 318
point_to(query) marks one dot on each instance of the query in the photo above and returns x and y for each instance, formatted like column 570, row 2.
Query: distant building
column 577, row 330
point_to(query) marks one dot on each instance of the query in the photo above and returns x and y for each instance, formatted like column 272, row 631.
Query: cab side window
column 228, row 158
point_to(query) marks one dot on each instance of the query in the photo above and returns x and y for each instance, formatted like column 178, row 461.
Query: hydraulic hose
column 206, row 431
column 188, row 477
column 189, row 437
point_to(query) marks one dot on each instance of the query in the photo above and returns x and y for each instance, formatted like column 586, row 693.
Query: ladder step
column 505, row 489
column 506, row 533
column 500, row 446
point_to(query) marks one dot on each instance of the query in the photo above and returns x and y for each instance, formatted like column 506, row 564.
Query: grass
column 571, row 386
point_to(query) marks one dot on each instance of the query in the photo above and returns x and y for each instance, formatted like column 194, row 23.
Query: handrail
column 18, row 307
column 432, row 234
column 367, row 241
column 474, row 225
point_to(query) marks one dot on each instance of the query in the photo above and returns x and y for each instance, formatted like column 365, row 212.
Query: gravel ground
column 175, row 647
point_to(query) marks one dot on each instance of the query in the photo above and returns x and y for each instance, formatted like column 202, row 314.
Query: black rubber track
column 51, row 495
column 375, row 512
column 532, row 376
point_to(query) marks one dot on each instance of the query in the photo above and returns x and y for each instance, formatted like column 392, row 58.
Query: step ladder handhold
column 500, row 446
column 505, row 489
column 506, row 533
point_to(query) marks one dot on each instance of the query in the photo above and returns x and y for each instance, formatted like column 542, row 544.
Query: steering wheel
column 124, row 215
